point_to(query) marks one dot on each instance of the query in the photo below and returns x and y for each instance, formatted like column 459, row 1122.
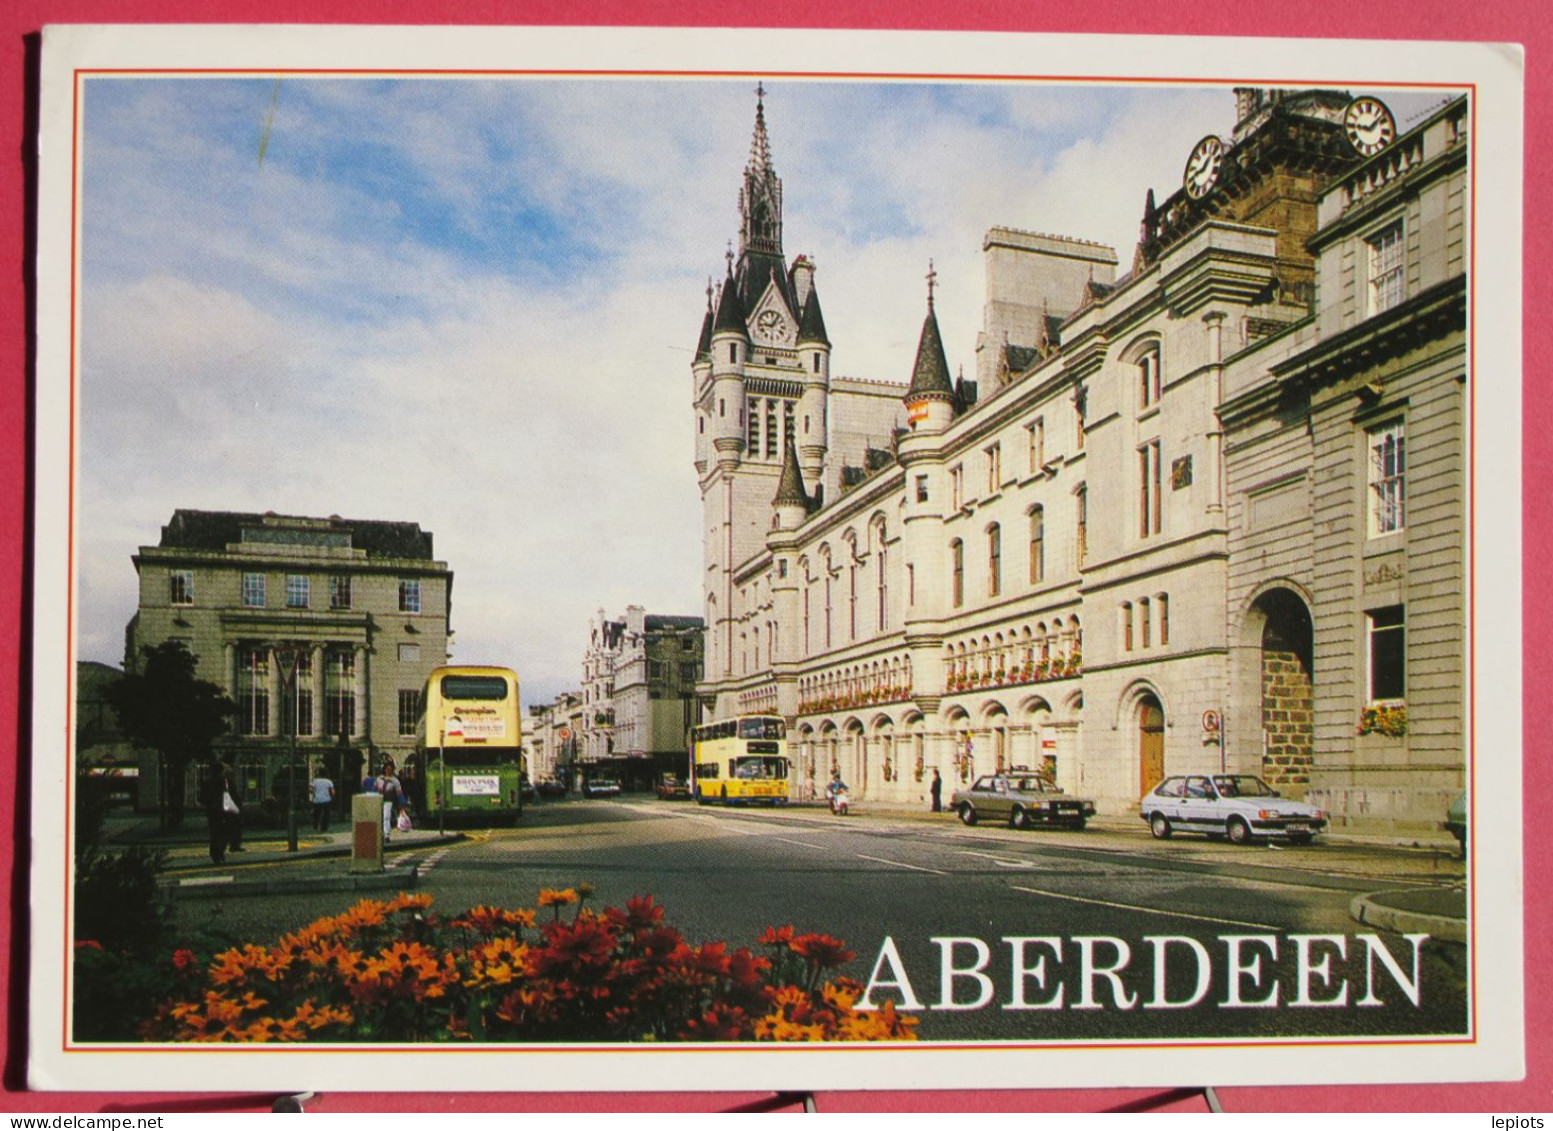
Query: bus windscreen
column 761, row 728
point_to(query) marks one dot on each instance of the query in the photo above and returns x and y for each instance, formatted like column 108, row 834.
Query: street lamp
column 287, row 658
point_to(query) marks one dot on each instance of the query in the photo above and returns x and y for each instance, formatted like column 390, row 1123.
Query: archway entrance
column 1151, row 743
column 1288, row 699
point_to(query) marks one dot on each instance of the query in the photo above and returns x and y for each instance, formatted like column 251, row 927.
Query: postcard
column 982, row 560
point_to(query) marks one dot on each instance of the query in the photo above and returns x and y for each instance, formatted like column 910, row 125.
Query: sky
column 473, row 304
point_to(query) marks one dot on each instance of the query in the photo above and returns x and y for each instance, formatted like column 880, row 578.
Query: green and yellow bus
column 468, row 744
column 740, row 761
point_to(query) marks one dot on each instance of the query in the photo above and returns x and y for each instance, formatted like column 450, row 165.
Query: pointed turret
column 792, row 501
column 930, row 402
column 811, row 326
column 730, row 312
column 704, row 344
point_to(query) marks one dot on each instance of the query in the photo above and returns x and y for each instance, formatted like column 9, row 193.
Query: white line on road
column 898, row 864
column 799, row 843
column 1146, row 910
column 1001, row 862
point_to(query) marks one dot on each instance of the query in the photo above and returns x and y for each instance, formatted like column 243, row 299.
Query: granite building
column 1162, row 532
column 325, row 628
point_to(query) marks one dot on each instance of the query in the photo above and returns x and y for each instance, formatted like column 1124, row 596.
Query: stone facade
column 363, row 607
column 1130, row 548
column 639, row 680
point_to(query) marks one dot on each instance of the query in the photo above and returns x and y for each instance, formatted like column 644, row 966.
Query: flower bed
column 397, row 972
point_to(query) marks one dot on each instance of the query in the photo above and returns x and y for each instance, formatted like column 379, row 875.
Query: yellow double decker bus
column 740, row 761
column 468, row 744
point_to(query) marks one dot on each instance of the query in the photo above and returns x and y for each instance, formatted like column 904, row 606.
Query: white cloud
column 471, row 304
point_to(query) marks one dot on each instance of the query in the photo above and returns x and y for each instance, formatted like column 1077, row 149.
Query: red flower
column 822, row 950
column 776, row 936
column 585, row 943
column 183, row 959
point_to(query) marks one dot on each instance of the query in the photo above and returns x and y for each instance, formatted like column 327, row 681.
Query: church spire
column 760, row 200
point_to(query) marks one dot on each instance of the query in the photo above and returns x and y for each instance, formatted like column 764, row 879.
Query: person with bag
column 388, row 785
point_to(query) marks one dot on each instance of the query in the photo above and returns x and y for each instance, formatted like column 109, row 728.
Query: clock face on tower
column 1369, row 126
column 769, row 325
column 1202, row 167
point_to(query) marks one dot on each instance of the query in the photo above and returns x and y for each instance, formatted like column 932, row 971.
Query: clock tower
column 1287, row 146
column 761, row 386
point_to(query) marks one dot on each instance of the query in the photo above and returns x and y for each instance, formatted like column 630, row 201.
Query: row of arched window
column 857, row 685
column 1035, row 519
column 1145, row 623
column 1045, row 650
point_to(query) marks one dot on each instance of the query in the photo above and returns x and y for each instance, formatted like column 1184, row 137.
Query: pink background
column 1514, row 21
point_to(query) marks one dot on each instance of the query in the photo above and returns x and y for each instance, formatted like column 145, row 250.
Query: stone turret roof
column 704, row 344
column 811, row 327
column 930, row 375
column 790, row 490
column 731, row 317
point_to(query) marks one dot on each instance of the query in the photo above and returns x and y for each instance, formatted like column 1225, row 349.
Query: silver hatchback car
column 1239, row 806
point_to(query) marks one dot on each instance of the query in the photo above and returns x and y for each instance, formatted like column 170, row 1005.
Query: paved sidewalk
column 265, row 865
column 1440, row 913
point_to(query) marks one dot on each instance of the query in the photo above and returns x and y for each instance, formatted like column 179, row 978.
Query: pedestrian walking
column 936, row 792
column 393, row 793
column 212, row 793
column 323, row 800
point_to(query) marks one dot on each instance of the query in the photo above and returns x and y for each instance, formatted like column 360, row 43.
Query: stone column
column 229, row 680
column 1215, row 323
column 276, row 689
column 360, row 689
column 318, row 691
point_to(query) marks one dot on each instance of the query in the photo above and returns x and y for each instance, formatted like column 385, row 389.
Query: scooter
column 840, row 801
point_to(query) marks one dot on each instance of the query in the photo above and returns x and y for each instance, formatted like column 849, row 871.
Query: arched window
column 1081, row 500
column 994, row 560
column 1144, row 625
column 1037, row 544
column 957, row 572
column 1162, row 603
column 1126, row 626
column 1148, row 379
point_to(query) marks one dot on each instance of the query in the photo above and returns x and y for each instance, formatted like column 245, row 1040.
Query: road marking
column 898, row 864
column 1147, row 910
column 999, row 861
column 799, row 843
column 200, row 881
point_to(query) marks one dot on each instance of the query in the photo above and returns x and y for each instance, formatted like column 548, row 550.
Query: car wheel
column 1300, row 838
column 1019, row 818
column 1239, row 832
column 1079, row 824
column 1160, row 827
column 967, row 815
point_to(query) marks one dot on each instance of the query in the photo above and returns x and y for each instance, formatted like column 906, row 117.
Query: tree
column 163, row 707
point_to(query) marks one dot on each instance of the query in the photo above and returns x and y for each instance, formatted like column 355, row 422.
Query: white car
column 1239, row 806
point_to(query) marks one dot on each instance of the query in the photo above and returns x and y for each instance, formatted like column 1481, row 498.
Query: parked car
column 528, row 789
column 600, row 787
column 671, row 787
column 550, row 787
column 1239, row 806
column 1456, row 821
column 1021, row 799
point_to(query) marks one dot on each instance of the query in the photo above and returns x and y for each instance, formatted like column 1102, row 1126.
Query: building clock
column 1369, row 126
column 770, row 325
column 1202, row 167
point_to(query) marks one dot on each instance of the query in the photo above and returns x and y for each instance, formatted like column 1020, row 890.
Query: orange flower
column 549, row 897
column 776, row 936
